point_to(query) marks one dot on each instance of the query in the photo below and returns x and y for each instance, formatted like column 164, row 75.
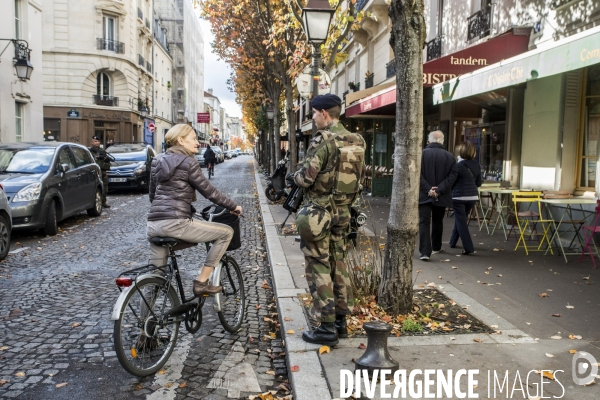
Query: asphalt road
column 56, row 296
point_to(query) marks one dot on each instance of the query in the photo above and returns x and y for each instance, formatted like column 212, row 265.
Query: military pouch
column 313, row 222
column 349, row 168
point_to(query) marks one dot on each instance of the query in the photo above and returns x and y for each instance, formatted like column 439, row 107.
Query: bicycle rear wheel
column 143, row 344
column 233, row 296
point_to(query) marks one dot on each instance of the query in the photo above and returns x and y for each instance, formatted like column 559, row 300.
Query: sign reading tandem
column 431, row 78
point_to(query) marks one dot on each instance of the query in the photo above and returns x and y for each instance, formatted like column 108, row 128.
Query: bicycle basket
column 233, row 221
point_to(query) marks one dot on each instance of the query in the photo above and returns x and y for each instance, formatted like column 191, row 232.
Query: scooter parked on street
column 280, row 183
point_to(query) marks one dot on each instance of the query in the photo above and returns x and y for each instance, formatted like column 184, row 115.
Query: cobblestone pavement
column 57, row 293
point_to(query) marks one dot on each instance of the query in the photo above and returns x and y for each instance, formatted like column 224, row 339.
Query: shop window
column 590, row 130
column 51, row 129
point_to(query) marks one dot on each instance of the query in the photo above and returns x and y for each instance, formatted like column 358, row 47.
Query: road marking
column 174, row 367
column 235, row 374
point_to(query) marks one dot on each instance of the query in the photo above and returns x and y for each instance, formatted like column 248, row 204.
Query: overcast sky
column 216, row 73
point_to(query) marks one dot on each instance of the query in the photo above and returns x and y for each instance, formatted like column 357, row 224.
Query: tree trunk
column 407, row 40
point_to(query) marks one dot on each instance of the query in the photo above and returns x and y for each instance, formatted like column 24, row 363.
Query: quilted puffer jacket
column 174, row 178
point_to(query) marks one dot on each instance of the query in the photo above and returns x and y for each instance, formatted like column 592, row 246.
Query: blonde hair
column 176, row 132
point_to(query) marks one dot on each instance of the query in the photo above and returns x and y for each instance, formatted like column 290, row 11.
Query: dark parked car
column 48, row 182
column 131, row 168
column 200, row 157
column 5, row 224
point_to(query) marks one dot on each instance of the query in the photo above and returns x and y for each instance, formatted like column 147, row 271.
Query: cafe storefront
column 372, row 111
column 79, row 124
column 552, row 125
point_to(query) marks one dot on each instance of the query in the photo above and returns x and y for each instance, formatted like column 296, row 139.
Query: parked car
column 5, row 224
column 218, row 153
column 234, row 153
column 48, row 182
column 131, row 168
column 228, row 155
column 200, row 157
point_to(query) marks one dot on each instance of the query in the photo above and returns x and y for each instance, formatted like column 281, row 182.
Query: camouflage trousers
column 326, row 269
column 105, row 186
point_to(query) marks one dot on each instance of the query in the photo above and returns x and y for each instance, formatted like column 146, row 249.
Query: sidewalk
column 507, row 297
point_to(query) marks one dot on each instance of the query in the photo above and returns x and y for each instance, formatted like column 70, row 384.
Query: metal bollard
column 377, row 355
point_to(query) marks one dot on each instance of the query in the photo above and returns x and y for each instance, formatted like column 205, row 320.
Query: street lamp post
column 271, row 153
column 21, row 60
column 316, row 18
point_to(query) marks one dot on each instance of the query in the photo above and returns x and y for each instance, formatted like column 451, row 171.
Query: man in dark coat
column 438, row 173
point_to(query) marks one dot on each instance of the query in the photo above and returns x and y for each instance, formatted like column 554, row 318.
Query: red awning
column 374, row 102
column 445, row 68
column 472, row 58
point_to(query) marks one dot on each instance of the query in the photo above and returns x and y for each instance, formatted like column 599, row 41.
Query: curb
column 308, row 383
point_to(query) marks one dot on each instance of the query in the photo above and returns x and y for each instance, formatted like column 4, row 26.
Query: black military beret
column 95, row 138
column 325, row 102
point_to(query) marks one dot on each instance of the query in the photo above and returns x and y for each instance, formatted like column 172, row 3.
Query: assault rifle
column 293, row 201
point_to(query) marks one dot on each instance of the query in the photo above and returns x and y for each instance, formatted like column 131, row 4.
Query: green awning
column 569, row 54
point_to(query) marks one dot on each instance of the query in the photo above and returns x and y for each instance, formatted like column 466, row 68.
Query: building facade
column 21, row 101
column 186, row 48
column 506, row 114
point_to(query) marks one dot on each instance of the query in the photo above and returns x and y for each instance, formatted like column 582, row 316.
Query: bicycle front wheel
column 233, row 296
column 143, row 339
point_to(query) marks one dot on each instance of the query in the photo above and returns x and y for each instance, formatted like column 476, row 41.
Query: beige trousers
column 192, row 231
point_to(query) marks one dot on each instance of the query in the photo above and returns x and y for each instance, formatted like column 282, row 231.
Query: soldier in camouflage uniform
column 323, row 222
column 104, row 163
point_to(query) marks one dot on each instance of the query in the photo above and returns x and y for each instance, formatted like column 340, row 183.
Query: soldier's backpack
column 348, row 163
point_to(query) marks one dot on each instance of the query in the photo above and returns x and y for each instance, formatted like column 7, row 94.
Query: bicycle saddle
column 164, row 241
column 177, row 244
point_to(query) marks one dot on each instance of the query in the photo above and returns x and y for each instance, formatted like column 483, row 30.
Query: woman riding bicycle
column 174, row 179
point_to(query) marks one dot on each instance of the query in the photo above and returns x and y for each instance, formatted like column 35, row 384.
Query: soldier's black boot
column 325, row 334
column 340, row 326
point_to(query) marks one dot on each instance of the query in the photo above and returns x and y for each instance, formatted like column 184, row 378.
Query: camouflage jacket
column 104, row 165
column 317, row 175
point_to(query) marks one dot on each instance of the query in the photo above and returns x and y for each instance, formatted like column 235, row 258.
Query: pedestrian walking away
column 465, row 195
column 103, row 160
column 438, row 173
column 174, row 179
column 329, row 188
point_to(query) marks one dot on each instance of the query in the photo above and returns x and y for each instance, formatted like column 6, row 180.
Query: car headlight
column 140, row 170
column 29, row 192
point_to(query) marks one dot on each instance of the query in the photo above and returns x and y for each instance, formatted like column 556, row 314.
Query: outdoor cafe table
column 498, row 205
column 566, row 205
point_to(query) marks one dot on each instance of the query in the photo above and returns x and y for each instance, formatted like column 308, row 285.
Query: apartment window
column 103, row 84
column 18, row 19
column 109, row 28
column 590, row 129
column 18, row 122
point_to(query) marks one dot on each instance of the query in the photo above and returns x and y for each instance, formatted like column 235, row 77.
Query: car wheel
column 51, row 227
column 96, row 210
column 4, row 237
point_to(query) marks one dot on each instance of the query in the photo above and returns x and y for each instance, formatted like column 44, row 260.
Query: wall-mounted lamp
column 21, row 60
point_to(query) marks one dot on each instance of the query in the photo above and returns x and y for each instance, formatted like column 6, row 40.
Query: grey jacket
column 174, row 178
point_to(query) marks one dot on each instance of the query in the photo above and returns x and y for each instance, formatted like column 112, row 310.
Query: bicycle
column 211, row 169
column 150, row 308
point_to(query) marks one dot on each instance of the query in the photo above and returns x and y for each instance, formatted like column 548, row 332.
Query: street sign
column 304, row 82
column 204, row 118
column 73, row 113
column 151, row 127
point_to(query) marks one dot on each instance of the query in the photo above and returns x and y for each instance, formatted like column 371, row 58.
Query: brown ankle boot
column 201, row 288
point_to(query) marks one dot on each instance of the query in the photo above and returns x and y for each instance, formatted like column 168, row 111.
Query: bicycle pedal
column 206, row 295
